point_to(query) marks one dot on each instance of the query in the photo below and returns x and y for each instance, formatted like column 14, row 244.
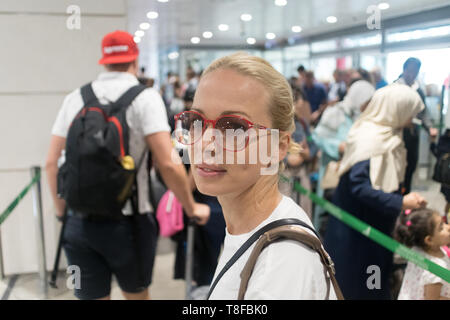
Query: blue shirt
column 316, row 95
column 380, row 84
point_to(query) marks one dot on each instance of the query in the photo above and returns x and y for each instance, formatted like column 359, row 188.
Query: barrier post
column 2, row 268
column 188, row 276
column 39, row 226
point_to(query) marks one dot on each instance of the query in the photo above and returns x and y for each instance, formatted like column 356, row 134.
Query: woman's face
column 224, row 92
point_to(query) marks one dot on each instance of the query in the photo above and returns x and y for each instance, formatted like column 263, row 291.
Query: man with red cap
column 105, row 248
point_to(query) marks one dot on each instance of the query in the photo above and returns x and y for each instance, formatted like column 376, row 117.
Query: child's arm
column 433, row 292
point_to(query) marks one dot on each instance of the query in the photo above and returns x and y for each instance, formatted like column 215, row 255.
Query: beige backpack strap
column 296, row 233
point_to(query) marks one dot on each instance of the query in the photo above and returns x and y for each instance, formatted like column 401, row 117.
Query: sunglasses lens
column 234, row 132
column 188, row 127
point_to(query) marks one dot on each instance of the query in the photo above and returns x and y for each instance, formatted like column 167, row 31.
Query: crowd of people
column 353, row 142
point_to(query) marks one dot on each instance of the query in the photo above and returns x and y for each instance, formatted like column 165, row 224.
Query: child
column 425, row 231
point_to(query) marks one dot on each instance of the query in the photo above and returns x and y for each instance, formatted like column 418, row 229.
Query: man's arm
column 57, row 144
column 174, row 175
column 425, row 116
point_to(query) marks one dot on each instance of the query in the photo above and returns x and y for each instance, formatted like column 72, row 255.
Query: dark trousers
column 124, row 248
column 411, row 139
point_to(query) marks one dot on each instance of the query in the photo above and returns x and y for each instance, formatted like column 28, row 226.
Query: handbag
column 169, row 215
column 330, row 179
column 442, row 170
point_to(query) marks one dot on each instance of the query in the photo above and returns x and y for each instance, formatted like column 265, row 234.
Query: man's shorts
column 124, row 248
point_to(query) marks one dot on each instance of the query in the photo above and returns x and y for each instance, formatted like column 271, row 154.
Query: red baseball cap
column 118, row 47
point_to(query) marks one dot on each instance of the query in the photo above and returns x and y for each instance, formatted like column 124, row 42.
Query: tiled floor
column 164, row 287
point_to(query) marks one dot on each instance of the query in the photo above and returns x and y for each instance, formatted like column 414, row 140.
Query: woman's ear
column 285, row 140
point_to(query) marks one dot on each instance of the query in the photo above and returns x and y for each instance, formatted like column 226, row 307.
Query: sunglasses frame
column 214, row 122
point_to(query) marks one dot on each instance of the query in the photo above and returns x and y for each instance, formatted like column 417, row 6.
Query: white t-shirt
column 416, row 278
column 146, row 115
column 285, row 270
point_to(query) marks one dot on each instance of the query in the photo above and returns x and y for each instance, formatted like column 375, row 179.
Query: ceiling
column 179, row 20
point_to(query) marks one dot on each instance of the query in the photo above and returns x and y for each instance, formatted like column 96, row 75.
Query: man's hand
column 201, row 213
column 413, row 200
column 433, row 133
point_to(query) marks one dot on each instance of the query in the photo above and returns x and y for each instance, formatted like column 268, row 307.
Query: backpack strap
column 251, row 240
column 295, row 233
column 88, row 95
column 127, row 98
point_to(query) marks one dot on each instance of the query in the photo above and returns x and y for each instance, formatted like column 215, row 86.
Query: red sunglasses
column 185, row 123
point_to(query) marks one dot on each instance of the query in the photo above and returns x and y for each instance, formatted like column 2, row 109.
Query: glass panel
column 361, row 40
column 321, row 46
column 418, row 34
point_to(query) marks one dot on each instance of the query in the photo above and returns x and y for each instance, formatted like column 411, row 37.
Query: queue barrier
column 374, row 234
column 35, row 186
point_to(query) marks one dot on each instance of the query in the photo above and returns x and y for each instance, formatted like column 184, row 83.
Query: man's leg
column 94, row 280
column 412, row 156
column 143, row 295
column 131, row 255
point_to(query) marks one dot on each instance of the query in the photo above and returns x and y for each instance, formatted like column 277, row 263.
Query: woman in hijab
column 371, row 173
column 333, row 128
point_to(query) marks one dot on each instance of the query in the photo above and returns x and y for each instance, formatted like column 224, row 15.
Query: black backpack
column 98, row 175
column 442, row 152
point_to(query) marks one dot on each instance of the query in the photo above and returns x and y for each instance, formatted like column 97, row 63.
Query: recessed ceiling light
column 331, row 19
column 163, row 1
column 207, row 34
column 280, row 3
column 137, row 39
column 383, row 6
column 246, row 17
column 173, row 55
column 296, row 29
column 251, row 40
column 152, row 14
column 195, row 40
column 270, row 35
column 223, row 27
column 139, row 33
column 144, row 25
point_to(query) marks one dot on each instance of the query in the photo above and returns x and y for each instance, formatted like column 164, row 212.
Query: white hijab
column 377, row 135
column 359, row 93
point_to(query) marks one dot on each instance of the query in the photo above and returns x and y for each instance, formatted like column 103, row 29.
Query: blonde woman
column 244, row 92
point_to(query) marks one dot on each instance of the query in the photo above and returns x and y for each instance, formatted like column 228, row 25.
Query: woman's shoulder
column 286, row 248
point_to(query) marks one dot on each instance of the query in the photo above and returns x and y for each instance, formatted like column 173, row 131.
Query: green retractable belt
column 16, row 201
column 374, row 234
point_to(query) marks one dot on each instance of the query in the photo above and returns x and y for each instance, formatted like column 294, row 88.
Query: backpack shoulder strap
column 290, row 232
column 88, row 95
column 254, row 238
column 127, row 98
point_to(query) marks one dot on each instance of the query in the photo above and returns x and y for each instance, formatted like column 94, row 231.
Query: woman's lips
column 208, row 171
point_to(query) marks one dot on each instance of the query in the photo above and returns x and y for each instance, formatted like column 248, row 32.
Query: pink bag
column 169, row 215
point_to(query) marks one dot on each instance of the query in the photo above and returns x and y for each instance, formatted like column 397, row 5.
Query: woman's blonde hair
column 281, row 105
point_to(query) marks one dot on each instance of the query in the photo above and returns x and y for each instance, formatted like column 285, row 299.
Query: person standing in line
column 378, row 78
column 125, row 246
column 371, row 173
column 316, row 95
column 411, row 69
